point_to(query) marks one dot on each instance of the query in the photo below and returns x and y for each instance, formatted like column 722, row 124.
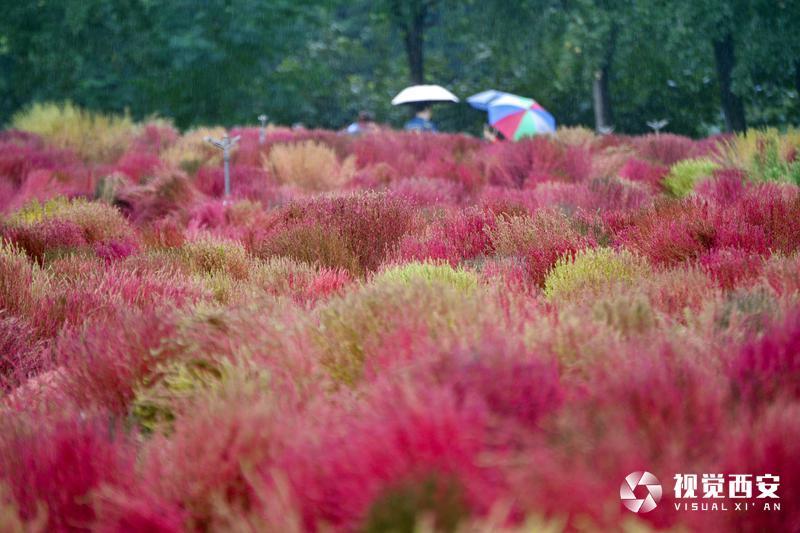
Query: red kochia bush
column 609, row 429
column 554, row 236
column 423, row 192
column 782, row 274
column 503, row 200
column 327, row 282
column 467, row 176
column 459, row 236
column 29, row 170
column 59, row 462
column 21, row 352
column 724, row 188
column 166, row 194
column 16, row 160
column 667, row 233
column 375, row 176
column 249, row 152
column 138, row 165
column 413, row 154
column 770, row 366
column 47, row 236
column 730, row 267
column 609, row 194
column 601, row 194
column 767, row 443
column 247, row 181
column 22, row 138
column 566, row 196
column 532, row 161
column 106, row 358
column 154, row 137
column 645, row 172
column 665, row 149
column 91, row 291
column 765, row 218
column 366, row 224
column 347, row 466
column 515, row 383
column 122, row 511
column 206, row 477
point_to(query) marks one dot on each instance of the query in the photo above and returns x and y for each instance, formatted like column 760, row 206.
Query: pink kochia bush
column 644, row 172
column 453, row 336
column 54, row 463
column 534, row 161
column 365, row 226
column 457, row 237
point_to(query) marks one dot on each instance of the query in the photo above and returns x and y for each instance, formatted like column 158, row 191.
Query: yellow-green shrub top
column 591, row 269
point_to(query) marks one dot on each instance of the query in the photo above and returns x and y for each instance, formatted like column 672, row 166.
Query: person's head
column 365, row 117
column 424, row 112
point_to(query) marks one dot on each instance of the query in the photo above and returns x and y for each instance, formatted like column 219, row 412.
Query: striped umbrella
column 517, row 117
column 482, row 99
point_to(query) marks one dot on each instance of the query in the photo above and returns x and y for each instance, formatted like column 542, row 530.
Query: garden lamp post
column 262, row 132
column 225, row 145
column 657, row 125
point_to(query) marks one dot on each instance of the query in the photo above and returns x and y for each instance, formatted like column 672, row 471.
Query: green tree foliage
column 702, row 64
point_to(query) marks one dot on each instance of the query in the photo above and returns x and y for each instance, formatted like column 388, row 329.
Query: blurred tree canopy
column 705, row 65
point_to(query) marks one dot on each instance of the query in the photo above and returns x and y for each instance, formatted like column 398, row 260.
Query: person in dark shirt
column 421, row 121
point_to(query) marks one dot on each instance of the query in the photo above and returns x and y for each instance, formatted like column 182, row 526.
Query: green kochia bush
column 15, row 279
column 684, row 175
column 768, row 165
column 430, row 272
column 177, row 385
column 93, row 136
column 155, row 398
column 592, row 269
column 208, row 255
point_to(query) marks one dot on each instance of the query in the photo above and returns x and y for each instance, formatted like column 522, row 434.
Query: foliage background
column 320, row 62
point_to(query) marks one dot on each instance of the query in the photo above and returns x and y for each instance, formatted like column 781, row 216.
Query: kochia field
column 395, row 332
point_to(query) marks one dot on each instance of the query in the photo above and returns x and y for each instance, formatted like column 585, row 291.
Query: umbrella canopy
column 516, row 117
column 483, row 99
column 424, row 93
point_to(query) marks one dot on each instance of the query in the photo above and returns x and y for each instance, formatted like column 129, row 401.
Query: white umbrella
column 424, row 93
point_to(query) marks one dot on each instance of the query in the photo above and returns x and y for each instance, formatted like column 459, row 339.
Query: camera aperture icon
column 644, row 499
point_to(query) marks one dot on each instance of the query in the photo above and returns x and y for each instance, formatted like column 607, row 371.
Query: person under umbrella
column 492, row 135
column 422, row 97
column 422, row 120
column 513, row 116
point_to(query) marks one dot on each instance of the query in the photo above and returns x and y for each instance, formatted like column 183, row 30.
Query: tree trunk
column 601, row 99
column 732, row 105
column 410, row 16
column 601, row 95
column 414, row 37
